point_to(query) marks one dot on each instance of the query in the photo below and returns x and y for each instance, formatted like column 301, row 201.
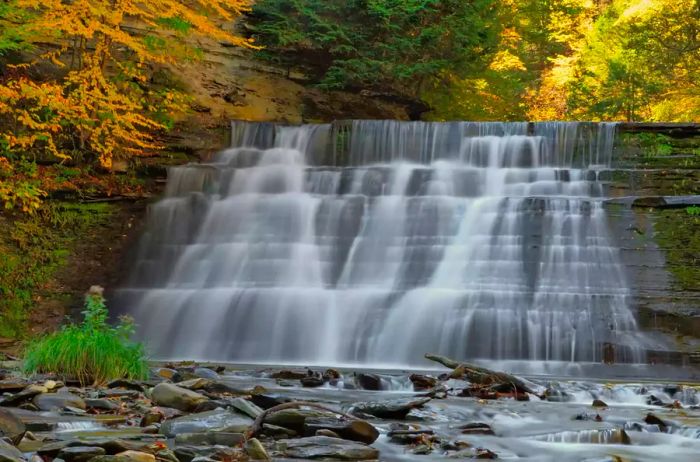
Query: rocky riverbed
column 189, row 413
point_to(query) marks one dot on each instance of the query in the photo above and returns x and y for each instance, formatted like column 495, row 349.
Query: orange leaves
column 100, row 104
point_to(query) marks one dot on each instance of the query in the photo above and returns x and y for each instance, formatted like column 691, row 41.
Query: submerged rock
column 169, row 395
column 323, row 447
column 393, row 409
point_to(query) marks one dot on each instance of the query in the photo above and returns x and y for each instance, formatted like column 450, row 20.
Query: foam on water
column 374, row 242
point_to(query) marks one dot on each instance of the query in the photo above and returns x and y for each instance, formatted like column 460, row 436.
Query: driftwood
column 257, row 426
column 481, row 375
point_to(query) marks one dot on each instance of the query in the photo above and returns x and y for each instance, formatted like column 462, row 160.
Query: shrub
column 93, row 351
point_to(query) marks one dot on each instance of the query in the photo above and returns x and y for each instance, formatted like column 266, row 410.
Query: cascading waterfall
column 375, row 242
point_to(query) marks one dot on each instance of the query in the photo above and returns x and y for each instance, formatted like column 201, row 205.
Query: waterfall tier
column 374, row 242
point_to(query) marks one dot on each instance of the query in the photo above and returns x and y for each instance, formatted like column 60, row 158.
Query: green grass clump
column 93, row 351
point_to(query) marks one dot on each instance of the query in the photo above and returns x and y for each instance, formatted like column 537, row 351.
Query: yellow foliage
column 506, row 61
column 100, row 103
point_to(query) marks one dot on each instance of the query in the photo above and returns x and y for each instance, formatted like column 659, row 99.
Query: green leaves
column 176, row 24
column 393, row 45
column 93, row 351
column 13, row 33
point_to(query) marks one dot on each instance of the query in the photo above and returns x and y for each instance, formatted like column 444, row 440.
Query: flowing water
column 374, row 242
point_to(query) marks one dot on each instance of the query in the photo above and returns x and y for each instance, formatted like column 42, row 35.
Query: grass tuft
column 93, row 352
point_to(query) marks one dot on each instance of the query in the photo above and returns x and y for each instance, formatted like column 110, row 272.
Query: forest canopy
column 76, row 77
column 628, row 60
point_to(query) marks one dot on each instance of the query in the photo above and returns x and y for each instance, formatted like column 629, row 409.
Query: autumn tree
column 87, row 94
column 637, row 60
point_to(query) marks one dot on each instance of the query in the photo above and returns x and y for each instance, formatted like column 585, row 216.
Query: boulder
column 80, row 453
column 354, row 430
column 268, row 400
column 119, row 393
column 105, row 459
column 255, row 450
column 246, row 407
column 9, row 453
column 166, row 455
column 651, row 419
column 423, row 382
column 368, row 381
column 26, row 394
column 11, row 427
column 136, row 456
column 219, row 420
column 128, row 384
column 101, row 404
column 12, row 385
column 599, row 403
column 196, row 384
column 324, row 447
column 312, row 381
column 221, row 453
column 169, row 395
column 206, row 373
column 391, row 409
column 210, row 439
column 287, row 374
column 165, row 373
column 60, row 400
column 476, row 428
column 294, row 419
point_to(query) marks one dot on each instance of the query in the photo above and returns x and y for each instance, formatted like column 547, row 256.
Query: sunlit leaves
column 96, row 100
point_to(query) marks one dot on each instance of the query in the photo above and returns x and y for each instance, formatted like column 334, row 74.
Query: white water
column 376, row 243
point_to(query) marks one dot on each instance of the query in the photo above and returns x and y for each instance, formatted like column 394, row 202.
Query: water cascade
column 374, row 242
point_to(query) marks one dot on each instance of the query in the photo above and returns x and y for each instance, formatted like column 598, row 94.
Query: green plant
column 93, row 351
column 693, row 211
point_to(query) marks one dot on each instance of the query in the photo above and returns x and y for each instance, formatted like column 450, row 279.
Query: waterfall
column 374, row 242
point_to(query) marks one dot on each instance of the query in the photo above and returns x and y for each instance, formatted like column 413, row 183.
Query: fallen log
column 481, row 375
